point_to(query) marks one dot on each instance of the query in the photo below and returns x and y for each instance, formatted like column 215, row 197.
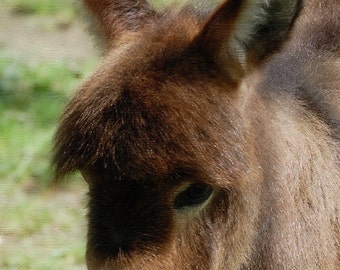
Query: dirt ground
column 46, row 38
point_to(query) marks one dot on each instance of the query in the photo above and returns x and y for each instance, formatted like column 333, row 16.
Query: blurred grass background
column 44, row 53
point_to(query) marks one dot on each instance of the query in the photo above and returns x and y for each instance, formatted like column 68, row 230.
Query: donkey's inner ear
column 113, row 18
column 241, row 33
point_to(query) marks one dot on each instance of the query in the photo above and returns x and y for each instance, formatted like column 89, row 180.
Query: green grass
column 32, row 96
column 42, row 231
column 47, row 7
column 40, row 228
column 63, row 10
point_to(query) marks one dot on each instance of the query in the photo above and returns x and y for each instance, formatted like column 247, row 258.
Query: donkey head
column 161, row 135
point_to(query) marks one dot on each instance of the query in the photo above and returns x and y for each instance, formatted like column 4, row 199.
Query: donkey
column 210, row 138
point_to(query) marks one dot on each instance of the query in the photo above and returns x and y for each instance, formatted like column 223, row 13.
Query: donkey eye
column 194, row 195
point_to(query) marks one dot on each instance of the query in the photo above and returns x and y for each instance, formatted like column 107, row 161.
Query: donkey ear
column 242, row 33
column 114, row 17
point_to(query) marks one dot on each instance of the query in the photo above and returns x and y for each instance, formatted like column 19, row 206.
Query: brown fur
column 172, row 104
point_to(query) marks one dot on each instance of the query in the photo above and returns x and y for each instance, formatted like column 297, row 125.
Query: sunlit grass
column 42, row 231
column 64, row 8
column 40, row 228
column 64, row 11
column 32, row 96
